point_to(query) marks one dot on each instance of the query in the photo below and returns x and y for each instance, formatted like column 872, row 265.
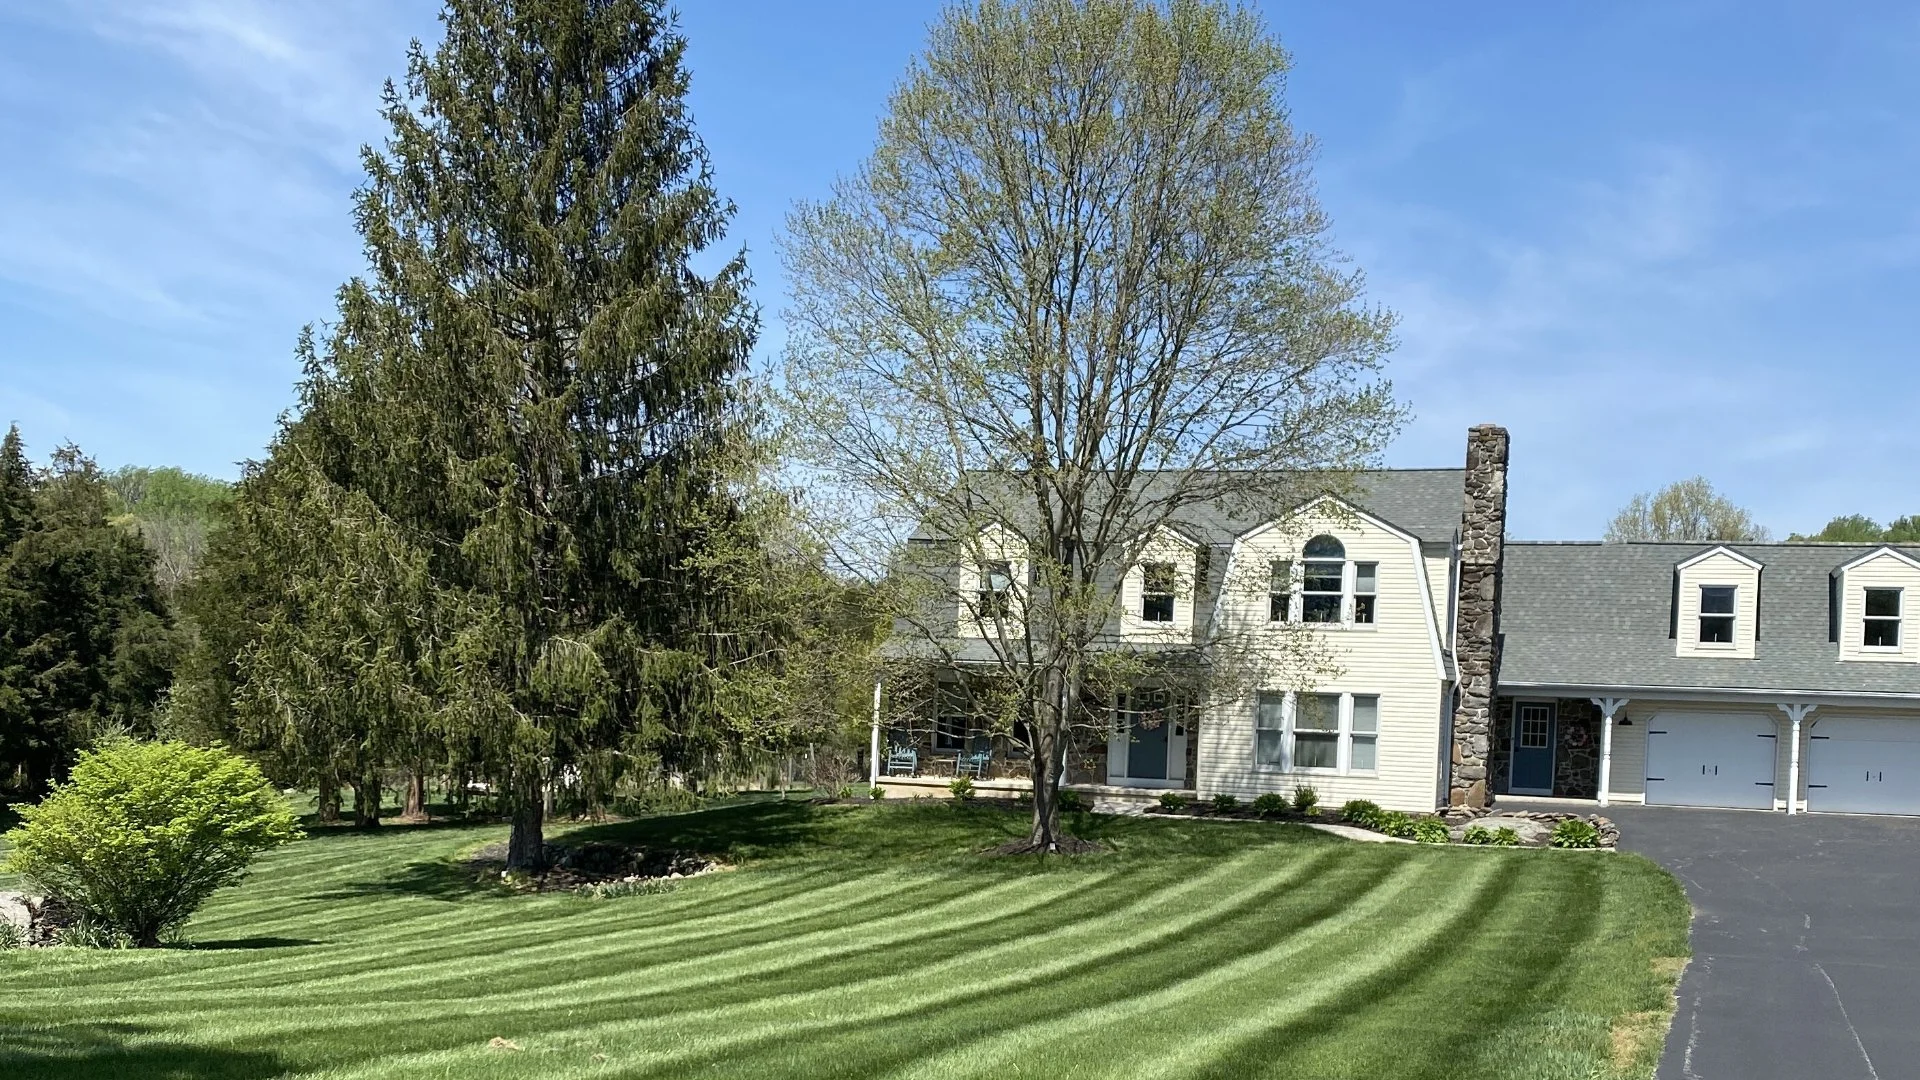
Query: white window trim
column 1699, row 612
column 1899, row 630
column 1289, row 709
column 1349, row 586
column 1172, row 594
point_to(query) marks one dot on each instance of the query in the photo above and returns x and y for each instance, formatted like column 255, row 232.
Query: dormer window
column 1156, row 591
column 1881, row 629
column 1280, row 592
column 996, row 590
column 1320, row 591
column 1716, row 614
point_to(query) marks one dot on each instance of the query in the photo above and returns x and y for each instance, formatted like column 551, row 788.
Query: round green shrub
column 1072, row 802
column 1225, row 804
column 1431, row 831
column 1575, row 833
column 1478, row 835
column 1269, row 804
column 1395, row 823
column 876, row 793
column 1362, row 813
column 1305, row 799
column 143, row 832
column 962, row 788
column 1504, row 836
column 1172, row 800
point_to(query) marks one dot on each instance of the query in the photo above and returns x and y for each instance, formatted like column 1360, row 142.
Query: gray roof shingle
column 1594, row 614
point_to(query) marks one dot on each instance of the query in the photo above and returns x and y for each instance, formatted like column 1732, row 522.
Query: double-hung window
column 1366, row 588
column 1270, row 729
column 996, row 589
column 1881, row 628
column 1316, row 732
column 1716, row 614
column 1157, row 580
column 1280, row 592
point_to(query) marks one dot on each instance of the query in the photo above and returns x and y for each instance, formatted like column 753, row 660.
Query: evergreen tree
column 526, row 413
column 16, row 490
column 85, row 643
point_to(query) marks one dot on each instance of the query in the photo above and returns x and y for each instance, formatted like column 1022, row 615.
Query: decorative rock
column 39, row 918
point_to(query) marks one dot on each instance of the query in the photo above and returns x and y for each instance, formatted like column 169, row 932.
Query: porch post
column 1795, row 713
column 873, row 754
column 1608, row 707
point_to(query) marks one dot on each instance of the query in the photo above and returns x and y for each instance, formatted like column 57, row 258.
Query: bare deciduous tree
column 1685, row 510
column 1081, row 288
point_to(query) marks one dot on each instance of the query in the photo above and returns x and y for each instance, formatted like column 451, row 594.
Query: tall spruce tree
column 85, row 644
column 532, row 394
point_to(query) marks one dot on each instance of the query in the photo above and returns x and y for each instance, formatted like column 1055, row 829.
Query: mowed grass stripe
column 1280, row 953
column 835, row 997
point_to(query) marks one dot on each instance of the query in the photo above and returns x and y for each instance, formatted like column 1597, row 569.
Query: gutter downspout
column 873, row 755
column 1608, row 708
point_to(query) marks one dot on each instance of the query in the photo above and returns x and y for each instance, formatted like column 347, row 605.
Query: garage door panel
column 1711, row 759
column 1864, row 766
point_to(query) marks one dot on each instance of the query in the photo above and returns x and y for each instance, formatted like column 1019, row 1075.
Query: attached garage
column 1857, row 765
column 1711, row 759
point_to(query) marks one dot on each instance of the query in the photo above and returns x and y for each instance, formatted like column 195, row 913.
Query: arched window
column 1325, row 547
column 1321, row 584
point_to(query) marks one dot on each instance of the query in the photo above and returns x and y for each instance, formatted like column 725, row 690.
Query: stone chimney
column 1476, row 638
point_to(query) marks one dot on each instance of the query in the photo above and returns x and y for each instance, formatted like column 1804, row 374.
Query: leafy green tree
column 174, row 511
column 143, row 832
column 1081, row 287
column 86, row 645
column 1861, row 529
column 1687, row 510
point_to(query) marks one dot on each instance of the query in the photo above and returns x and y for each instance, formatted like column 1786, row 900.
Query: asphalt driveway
column 1806, row 942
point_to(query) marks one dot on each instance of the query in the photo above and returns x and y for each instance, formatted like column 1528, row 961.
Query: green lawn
column 868, row 941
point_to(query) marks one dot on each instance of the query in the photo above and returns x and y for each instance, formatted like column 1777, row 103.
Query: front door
column 1532, row 772
column 1149, row 743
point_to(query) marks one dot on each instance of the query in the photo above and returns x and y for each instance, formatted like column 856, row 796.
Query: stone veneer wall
column 1483, row 527
column 1576, row 752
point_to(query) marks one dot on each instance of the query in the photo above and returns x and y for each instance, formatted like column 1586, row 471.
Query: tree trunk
column 526, row 846
column 329, row 813
column 415, row 807
column 366, row 802
column 462, row 798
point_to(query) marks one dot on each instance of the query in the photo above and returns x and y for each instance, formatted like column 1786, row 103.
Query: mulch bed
column 573, row 867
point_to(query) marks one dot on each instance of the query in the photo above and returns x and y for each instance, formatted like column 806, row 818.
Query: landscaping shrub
column 1504, row 836
column 1575, row 833
column 1362, row 813
column 845, row 792
column 1431, row 831
column 11, row 935
column 1478, row 835
column 962, row 788
column 1225, row 804
column 1395, row 823
column 143, row 832
column 1072, row 802
column 1305, row 799
column 1172, row 800
column 876, row 793
column 1269, row 804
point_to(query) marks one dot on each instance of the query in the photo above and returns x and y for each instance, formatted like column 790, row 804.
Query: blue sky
column 1653, row 239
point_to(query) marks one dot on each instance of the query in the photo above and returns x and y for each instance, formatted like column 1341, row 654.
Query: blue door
column 1532, row 772
column 1147, row 752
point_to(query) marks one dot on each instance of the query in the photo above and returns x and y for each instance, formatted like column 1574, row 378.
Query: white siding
column 1440, row 587
column 1883, row 571
column 1392, row 658
column 1718, row 568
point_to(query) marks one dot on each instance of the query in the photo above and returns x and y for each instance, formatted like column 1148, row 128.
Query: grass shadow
column 80, row 1051
column 434, row 879
column 247, row 943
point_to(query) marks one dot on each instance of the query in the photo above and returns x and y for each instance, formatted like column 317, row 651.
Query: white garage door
column 1858, row 766
column 1710, row 759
